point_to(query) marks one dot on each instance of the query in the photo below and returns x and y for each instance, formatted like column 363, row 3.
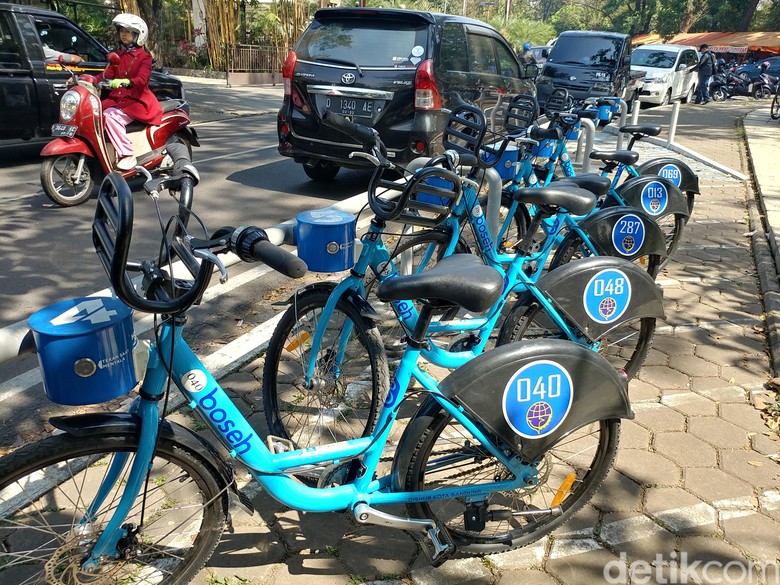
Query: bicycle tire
column 625, row 347
column 573, row 248
column 672, row 225
column 774, row 109
column 46, row 487
column 410, row 256
column 343, row 400
column 438, row 440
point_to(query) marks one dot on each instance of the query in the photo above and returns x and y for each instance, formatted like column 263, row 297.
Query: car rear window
column 586, row 50
column 376, row 43
column 653, row 58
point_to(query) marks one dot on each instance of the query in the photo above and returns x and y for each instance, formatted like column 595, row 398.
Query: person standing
column 527, row 56
column 130, row 98
column 705, row 68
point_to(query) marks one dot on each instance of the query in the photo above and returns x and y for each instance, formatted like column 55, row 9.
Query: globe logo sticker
column 628, row 234
column 671, row 172
column 607, row 296
column 537, row 399
column 654, row 198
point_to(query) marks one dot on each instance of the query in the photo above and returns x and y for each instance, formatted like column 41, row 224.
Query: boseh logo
column 195, row 382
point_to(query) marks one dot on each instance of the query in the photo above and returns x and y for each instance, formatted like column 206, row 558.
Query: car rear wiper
column 341, row 62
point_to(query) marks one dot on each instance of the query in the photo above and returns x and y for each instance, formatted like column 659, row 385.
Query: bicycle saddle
column 461, row 279
column 627, row 157
column 575, row 200
column 592, row 182
column 644, row 129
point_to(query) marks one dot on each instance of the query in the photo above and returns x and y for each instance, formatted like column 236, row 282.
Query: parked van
column 668, row 73
column 397, row 71
column 589, row 64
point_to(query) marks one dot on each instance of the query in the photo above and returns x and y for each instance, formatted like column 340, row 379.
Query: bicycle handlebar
column 363, row 134
column 112, row 231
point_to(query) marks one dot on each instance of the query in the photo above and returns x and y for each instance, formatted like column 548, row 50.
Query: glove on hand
column 114, row 83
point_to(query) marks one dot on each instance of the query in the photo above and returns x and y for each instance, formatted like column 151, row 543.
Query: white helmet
column 134, row 24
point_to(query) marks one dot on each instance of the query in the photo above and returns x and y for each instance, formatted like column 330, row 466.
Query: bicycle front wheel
column 448, row 456
column 46, row 531
column 625, row 347
column 339, row 401
column 774, row 110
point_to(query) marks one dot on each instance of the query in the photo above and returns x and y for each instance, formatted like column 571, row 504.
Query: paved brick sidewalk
column 695, row 478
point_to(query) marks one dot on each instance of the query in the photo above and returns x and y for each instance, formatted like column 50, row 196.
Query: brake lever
column 211, row 257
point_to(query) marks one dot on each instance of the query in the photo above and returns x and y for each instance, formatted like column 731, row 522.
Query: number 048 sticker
column 607, row 295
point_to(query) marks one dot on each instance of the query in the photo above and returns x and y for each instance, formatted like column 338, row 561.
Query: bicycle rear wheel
column 340, row 401
column 446, row 455
column 46, row 488
column 625, row 347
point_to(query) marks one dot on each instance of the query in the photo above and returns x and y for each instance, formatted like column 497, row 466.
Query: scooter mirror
column 113, row 58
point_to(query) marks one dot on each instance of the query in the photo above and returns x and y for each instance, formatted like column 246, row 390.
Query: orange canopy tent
column 743, row 42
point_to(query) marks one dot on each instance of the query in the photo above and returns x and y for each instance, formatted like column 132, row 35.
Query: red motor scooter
column 81, row 153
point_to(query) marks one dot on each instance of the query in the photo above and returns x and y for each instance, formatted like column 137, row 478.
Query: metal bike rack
column 587, row 136
column 622, row 120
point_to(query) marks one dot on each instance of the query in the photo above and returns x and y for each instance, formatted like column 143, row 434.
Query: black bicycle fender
column 655, row 195
column 673, row 169
column 625, row 232
column 487, row 384
column 121, row 423
column 601, row 293
column 361, row 304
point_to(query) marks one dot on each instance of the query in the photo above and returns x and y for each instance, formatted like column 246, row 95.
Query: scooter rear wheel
column 60, row 183
column 719, row 94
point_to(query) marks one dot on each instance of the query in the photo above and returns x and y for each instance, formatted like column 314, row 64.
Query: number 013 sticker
column 537, row 399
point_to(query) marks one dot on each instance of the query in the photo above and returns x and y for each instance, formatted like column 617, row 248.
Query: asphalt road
column 47, row 250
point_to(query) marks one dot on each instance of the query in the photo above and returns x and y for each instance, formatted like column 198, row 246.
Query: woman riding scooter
column 130, row 98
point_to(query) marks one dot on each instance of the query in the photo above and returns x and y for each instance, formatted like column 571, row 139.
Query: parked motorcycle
column 81, row 153
column 727, row 84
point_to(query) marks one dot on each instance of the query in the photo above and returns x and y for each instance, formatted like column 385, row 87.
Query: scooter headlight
column 69, row 104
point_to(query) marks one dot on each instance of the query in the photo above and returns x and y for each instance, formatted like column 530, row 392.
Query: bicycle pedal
column 278, row 445
column 436, row 543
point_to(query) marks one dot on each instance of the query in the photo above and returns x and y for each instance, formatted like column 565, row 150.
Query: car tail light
column 426, row 93
column 287, row 72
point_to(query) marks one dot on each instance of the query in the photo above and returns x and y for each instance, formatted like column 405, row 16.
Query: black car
column 589, row 64
column 31, row 86
column 394, row 70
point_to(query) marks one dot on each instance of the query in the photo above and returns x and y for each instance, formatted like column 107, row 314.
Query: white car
column 668, row 74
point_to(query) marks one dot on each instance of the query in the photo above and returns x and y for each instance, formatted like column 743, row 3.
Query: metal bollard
column 673, row 122
column 621, row 123
column 590, row 133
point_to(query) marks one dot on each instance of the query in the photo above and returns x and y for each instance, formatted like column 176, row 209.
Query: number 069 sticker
column 607, row 295
column 537, row 399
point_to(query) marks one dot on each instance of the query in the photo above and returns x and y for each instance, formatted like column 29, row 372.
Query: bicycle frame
column 205, row 396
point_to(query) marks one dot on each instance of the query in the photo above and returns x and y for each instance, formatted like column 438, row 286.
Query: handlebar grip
column 468, row 159
column 363, row 134
column 251, row 243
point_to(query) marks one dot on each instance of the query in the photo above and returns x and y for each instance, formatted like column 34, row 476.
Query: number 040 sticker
column 607, row 295
column 537, row 399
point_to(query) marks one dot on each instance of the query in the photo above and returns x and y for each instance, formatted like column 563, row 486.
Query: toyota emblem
column 348, row 78
column 572, row 78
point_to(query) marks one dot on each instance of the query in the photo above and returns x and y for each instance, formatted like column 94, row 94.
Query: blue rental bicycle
column 326, row 364
column 499, row 454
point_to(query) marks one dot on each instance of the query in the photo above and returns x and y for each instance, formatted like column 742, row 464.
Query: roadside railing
column 253, row 64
